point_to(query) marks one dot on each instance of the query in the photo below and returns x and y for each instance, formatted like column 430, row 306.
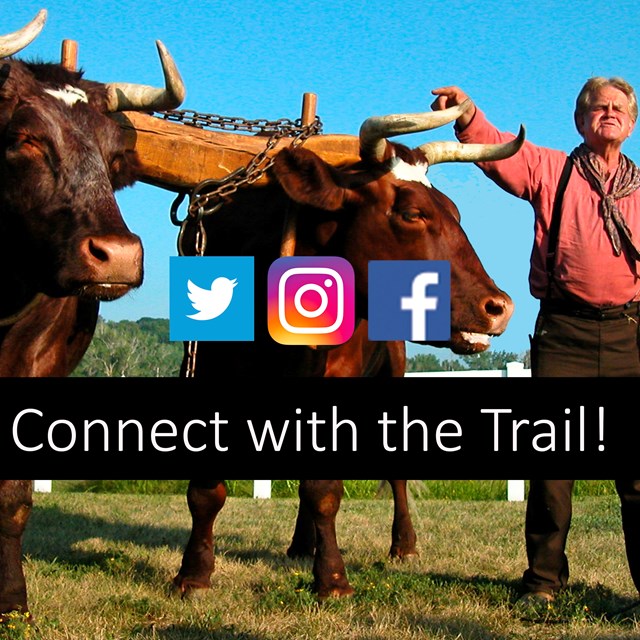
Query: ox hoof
column 336, row 592
column 338, row 588
column 403, row 556
column 188, row 589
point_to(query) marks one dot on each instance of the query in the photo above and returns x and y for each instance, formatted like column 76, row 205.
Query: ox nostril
column 499, row 309
column 95, row 250
column 495, row 307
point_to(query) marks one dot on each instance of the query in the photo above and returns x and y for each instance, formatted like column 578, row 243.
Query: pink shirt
column 586, row 267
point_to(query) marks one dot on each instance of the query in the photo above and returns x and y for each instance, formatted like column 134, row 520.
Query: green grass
column 354, row 489
column 99, row 567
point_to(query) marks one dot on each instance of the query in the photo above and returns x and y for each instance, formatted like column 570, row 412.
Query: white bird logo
column 210, row 303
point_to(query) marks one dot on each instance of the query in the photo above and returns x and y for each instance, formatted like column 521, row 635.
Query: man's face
column 607, row 121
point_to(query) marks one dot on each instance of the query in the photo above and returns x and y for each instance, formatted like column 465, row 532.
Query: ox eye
column 18, row 143
column 410, row 216
column 23, row 147
column 31, row 150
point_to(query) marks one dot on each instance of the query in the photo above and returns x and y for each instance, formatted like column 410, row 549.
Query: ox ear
column 308, row 179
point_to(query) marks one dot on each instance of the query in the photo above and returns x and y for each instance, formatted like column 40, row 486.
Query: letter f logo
column 422, row 287
column 419, row 303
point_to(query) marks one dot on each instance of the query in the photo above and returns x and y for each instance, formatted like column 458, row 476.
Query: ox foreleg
column 205, row 499
column 322, row 499
column 403, row 535
column 303, row 542
column 15, row 508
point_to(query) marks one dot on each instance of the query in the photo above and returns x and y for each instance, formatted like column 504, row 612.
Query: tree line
column 130, row 349
column 142, row 348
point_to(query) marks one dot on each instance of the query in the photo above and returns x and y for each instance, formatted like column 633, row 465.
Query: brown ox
column 380, row 208
column 65, row 246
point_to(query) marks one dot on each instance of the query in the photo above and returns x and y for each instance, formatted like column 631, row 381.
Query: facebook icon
column 410, row 300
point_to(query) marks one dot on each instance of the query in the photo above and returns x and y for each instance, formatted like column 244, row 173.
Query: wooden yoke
column 69, row 55
column 178, row 157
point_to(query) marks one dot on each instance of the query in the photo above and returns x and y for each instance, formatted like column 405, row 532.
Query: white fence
column 515, row 488
column 262, row 488
column 512, row 370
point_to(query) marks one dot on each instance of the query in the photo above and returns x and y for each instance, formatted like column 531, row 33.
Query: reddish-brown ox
column 65, row 245
column 380, row 208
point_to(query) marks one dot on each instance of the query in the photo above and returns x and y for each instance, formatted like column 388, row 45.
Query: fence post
column 516, row 370
column 262, row 488
column 42, row 486
column 515, row 490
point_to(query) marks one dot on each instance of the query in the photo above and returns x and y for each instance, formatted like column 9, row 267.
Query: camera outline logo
column 311, row 300
column 410, row 300
column 200, row 286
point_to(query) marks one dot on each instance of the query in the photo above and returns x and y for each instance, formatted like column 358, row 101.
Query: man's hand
column 451, row 97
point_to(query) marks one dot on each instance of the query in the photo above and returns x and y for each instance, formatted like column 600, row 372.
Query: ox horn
column 122, row 96
column 14, row 42
column 375, row 130
column 436, row 152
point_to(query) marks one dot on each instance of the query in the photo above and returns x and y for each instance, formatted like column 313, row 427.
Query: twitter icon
column 210, row 303
column 211, row 298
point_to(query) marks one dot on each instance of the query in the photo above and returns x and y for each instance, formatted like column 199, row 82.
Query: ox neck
column 11, row 313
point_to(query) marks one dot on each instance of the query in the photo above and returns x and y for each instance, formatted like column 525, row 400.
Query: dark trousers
column 547, row 526
column 577, row 346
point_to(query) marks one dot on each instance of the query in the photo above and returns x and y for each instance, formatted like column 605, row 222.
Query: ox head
column 61, row 159
column 385, row 208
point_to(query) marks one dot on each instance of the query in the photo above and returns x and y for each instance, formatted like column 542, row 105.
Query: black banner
column 415, row 428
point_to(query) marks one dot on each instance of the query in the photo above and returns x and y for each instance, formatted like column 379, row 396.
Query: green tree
column 478, row 361
column 131, row 349
column 489, row 360
column 423, row 362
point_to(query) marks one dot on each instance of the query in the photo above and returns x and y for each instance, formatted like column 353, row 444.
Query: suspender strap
column 554, row 225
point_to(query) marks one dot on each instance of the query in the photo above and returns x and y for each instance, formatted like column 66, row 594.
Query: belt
column 568, row 308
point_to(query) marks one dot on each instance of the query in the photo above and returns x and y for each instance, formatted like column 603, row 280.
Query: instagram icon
column 311, row 300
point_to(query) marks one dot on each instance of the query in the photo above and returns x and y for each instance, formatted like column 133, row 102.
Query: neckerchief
column 625, row 182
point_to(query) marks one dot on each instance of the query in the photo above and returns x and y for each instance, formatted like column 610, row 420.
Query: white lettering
column 268, row 431
column 16, row 421
column 419, row 303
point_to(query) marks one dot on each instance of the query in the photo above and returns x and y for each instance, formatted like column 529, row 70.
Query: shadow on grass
column 53, row 535
column 579, row 602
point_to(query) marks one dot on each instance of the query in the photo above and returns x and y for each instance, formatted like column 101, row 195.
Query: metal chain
column 208, row 196
column 226, row 123
column 192, row 346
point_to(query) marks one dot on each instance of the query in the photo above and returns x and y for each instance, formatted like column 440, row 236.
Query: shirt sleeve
column 519, row 175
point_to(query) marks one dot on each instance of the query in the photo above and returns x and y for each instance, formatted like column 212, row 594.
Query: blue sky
column 521, row 62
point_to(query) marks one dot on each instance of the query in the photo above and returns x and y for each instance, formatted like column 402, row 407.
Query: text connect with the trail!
column 306, row 427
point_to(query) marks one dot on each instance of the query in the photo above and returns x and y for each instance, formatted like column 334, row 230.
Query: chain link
column 208, row 196
column 200, row 244
column 226, row 123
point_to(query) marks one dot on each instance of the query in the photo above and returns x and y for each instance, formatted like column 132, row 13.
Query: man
column 588, row 283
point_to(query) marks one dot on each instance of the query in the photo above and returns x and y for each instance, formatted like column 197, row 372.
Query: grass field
column 364, row 489
column 99, row 567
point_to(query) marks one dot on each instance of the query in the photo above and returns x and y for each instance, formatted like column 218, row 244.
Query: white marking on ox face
column 68, row 94
column 410, row 172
